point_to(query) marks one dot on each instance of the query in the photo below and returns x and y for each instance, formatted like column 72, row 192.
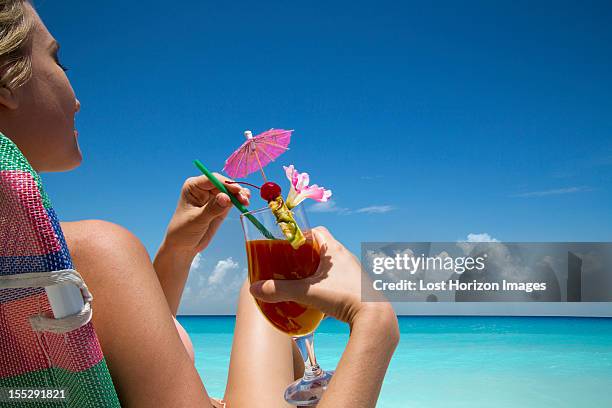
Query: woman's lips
column 76, row 133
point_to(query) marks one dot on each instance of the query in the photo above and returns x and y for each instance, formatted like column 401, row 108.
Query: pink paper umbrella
column 257, row 152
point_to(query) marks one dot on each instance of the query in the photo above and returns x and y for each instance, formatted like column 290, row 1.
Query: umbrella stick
column 235, row 201
column 260, row 167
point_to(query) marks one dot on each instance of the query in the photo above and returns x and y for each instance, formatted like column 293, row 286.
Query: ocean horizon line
column 444, row 315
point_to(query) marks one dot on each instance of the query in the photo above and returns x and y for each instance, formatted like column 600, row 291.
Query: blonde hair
column 15, row 59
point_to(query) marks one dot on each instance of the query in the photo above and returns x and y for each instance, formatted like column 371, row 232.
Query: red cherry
column 269, row 191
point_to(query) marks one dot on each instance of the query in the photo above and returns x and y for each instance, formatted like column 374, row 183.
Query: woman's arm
column 335, row 289
column 199, row 213
column 360, row 373
column 172, row 269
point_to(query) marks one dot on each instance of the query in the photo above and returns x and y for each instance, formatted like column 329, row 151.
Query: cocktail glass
column 277, row 259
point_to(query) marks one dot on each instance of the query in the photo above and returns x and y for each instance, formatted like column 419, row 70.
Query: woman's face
column 39, row 115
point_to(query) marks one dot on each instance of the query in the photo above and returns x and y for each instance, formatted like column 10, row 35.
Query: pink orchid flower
column 300, row 190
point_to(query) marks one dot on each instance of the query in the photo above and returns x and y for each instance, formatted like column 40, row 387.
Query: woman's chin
column 65, row 164
column 77, row 160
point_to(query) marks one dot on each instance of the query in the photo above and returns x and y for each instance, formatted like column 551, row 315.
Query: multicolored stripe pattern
column 31, row 240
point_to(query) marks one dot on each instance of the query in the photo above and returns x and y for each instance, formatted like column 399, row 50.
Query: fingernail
column 222, row 200
column 257, row 287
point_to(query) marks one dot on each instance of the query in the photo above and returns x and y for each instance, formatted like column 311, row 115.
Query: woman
column 135, row 301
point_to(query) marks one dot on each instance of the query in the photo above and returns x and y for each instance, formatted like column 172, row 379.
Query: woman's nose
column 77, row 105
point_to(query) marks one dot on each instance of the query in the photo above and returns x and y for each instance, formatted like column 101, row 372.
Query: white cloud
column 558, row 191
column 195, row 264
column 473, row 240
column 482, row 237
column 221, row 269
column 331, row 207
column 212, row 289
column 375, row 209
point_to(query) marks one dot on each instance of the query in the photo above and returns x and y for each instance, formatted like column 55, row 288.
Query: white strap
column 45, row 322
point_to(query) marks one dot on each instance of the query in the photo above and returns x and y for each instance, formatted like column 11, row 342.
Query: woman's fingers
column 244, row 196
column 205, row 184
column 323, row 237
column 331, row 302
column 201, row 188
column 218, row 206
column 281, row 290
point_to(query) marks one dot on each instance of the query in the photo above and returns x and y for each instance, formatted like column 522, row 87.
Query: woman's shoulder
column 98, row 236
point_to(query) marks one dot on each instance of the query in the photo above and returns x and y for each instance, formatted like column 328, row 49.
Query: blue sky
column 429, row 121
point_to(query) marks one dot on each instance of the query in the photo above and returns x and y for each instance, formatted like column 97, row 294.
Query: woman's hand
column 200, row 211
column 335, row 289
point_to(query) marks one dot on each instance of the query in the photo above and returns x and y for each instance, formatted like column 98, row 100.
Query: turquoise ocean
column 459, row 361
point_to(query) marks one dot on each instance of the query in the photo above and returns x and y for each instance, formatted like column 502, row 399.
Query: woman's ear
column 8, row 99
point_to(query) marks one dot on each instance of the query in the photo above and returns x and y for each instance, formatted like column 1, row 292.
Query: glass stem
column 306, row 346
